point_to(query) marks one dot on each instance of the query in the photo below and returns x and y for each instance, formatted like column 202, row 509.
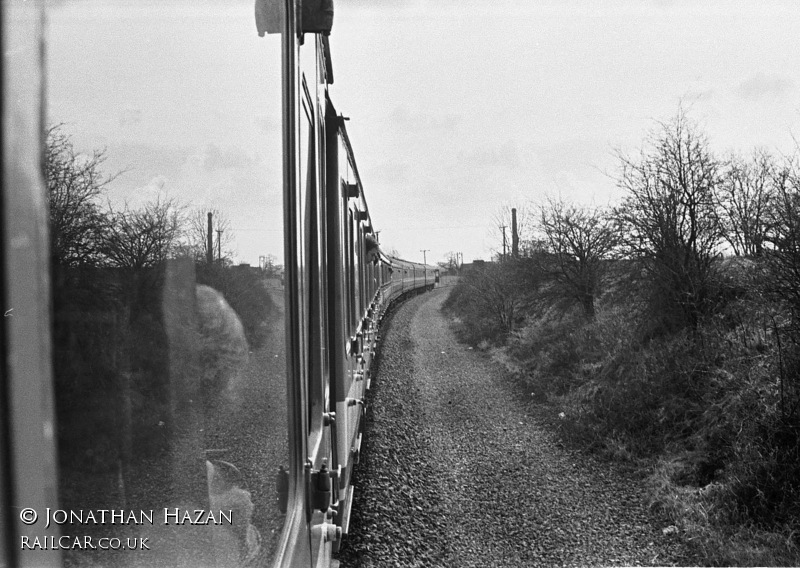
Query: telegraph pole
column 219, row 246
column 425, row 262
column 504, row 240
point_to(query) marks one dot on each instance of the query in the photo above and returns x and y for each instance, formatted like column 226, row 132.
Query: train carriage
column 157, row 439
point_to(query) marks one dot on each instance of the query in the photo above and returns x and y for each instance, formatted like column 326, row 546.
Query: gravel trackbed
column 456, row 471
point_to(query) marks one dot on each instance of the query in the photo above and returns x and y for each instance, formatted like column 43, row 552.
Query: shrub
column 548, row 349
column 491, row 301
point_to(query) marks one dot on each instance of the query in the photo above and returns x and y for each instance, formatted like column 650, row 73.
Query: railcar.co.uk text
column 66, row 542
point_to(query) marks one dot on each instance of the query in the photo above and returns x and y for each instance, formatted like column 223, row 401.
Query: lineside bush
column 689, row 364
column 699, row 409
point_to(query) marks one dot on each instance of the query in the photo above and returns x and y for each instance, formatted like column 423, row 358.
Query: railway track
column 457, row 471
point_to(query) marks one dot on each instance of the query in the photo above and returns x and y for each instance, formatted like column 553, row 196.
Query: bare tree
column 745, row 197
column 451, row 263
column 670, row 218
column 145, row 237
column 503, row 292
column 782, row 261
column 269, row 265
column 196, row 236
column 783, row 257
column 580, row 240
column 502, row 226
column 75, row 186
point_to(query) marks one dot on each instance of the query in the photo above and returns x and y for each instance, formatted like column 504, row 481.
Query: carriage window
column 362, row 271
column 351, row 279
column 320, row 264
column 310, row 204
column 164, row 183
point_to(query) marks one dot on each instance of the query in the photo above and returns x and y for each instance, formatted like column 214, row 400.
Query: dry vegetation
column 143, row 323
column 679, row 351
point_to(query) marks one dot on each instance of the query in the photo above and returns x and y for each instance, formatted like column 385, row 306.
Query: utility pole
column 210, row 242
column 425, row 262
column 219, row 245
column 504, row 240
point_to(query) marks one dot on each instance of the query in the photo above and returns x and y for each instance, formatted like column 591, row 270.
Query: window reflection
column 168, row 326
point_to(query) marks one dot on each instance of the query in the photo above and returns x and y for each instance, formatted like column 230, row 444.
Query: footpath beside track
column 456, row 471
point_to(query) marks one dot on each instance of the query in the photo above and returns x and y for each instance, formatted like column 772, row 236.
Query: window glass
column 351, row 280
column 164, row 183
column 312, row 276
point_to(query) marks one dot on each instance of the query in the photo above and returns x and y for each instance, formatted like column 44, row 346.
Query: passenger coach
column 185, row 388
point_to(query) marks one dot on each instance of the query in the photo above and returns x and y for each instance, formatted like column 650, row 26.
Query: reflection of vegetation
column 270, row 267
column 134, row 344
column 691, row 363
column 75, row 185
column 111, row 362
column 141, row 238
column 196, row 236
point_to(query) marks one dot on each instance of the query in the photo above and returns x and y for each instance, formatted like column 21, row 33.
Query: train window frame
column 362, row 269
column 315, row 403
column 351, row 264
column 322, row 236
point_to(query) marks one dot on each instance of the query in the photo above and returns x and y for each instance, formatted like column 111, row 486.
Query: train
column 183, row 413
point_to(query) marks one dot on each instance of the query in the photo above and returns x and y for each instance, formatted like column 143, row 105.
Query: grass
column 711, row 415
column 711, row 524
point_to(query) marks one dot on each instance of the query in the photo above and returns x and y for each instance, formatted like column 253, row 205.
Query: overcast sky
column 457, row 107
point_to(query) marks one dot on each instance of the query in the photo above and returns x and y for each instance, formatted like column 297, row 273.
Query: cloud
column 155, row 190
column 231, row 158
column 267, row 124
column 571, row 154
column 762, row 85
column 700, row 94
column 141, row 162
column 389, row 173
column 503, row 156
column 419, row 121
column 136, row 197
column 157, row 183
column 130, row 117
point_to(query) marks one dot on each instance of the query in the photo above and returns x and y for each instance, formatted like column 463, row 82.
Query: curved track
column 457, row 471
